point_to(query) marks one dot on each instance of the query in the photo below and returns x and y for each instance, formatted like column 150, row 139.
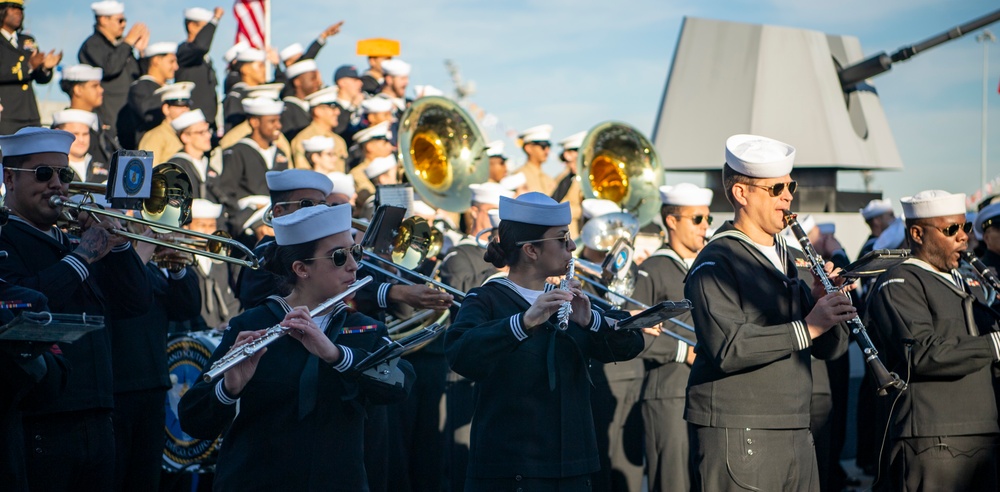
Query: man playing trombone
column 70, row 440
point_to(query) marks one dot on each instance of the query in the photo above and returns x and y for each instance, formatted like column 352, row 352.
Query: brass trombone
column 168, row 207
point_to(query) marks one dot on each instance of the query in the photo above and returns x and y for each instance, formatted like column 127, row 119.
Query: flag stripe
column 250, row 22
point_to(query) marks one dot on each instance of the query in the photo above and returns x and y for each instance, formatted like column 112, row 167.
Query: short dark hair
column 668, row 210
column 505, row 251
column 280, row 196
column 729, row 178
column 279, row 260
column 15, row 160
column 68, row 85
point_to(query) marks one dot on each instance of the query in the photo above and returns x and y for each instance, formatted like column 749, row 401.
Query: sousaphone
column 616, row 162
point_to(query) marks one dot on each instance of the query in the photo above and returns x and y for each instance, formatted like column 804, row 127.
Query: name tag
column 350, row 330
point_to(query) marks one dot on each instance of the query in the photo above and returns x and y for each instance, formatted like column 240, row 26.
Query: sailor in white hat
column 536, row 143
column 324, row 113
column 927, row 300
column 397, row 78
column 303, row 79
column 373, row 142
column 194, row 63
column 567, row 187
column 191, row 129
column 143, row 111
column 219, row 300
column 249, row 67
column 377, row 110
column 319, row 154
column 175, row 101
column 105, row 46
column 81, row 124
column 522, row 311
column 343, row 189
column 382, row 171
column 878, row 214
column 498, row 161
column 745, row 277
column 987, row 227
column 82, row 84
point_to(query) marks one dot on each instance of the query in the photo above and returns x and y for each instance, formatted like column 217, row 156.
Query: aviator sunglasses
column 696, row 219
column 339, row 255
column 304, row 203
column 565, row 238
column 953, row 229
column 777, row 189
column 44, row 173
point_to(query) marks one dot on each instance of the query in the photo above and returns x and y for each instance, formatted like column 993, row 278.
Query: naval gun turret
column 730, row 77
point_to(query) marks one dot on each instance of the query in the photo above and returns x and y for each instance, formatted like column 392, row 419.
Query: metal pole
column 986, row 38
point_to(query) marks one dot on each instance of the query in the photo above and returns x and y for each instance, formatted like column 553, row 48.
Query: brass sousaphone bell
column 616, row 162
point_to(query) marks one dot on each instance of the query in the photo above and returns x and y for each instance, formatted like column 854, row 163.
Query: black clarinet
column 883, row 378
column 984, row 271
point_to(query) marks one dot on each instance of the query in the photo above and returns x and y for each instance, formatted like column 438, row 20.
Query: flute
column 243, row 352
column 883, row 378
column 567, row 307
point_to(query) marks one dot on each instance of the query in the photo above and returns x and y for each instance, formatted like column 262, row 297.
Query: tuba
column 442, row 151
column 618, row 163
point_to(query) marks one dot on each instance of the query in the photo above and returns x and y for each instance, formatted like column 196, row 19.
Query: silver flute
column 243, row 352
column 567, row 307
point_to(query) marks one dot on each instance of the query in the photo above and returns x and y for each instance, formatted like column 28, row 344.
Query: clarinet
column 883, row 378
column 232, row 359
column 984, row 271
column 567, row 308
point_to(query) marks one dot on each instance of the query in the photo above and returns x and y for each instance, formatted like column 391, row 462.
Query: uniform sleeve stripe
column 801, row 335
column 121, row 247
column 995, row 338
column 77, row 265
column 220, row 393
column 347, row 357
column 682, row 352
column 383, row 293
column 516, row 328
column 595, row 320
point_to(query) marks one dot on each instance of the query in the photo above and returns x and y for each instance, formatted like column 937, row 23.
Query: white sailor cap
column 257, row 106
column 379, row 166
column 573, row 142
column 380, row 130
column 986, row 216
column 198, row 14
column 427, row 91
column 933, row 203
column 187, row 119
column 251, row 55
column 107, row 7
column 759, row 157
column 540, row 133
column 514, row 181
column 685, row 195
column 420, row 208
column 875, row 208
column 535, row 208
column 266, row 91
column 377, row 105
column 495, row 149
column 494, row 217
column 326, row 95
column 318, row 143
column 205, row 209
column 342, row 183
column 596, row 207
column 893, row 236
column 299, row 68
column 255, row 220
column 161, row 48
column 489, row 193
column 234, row 51
column 311, row 223
column 253, row 201
column 82, row 73
column 298, row 179
column 89, row 118
column 35, row 140
column 177, row 91
column 290, row 51
column 396, row 68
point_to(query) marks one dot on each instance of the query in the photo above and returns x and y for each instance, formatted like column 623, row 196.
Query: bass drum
column 187, row 358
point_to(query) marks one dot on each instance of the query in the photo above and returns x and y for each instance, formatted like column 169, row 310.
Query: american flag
column 251, row 22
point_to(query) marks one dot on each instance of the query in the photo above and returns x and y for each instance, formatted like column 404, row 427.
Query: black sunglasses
column 697, row 219
column 543, row 145
column 953, row 229
column 339, row 255
column 44, row 173
column 565, row 238
column 304, row 203
column 186, row 103
column 778, row 188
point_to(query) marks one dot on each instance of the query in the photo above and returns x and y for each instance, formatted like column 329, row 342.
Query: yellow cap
column 378, row 47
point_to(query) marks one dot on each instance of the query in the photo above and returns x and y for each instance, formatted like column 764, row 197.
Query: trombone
column 170, row 205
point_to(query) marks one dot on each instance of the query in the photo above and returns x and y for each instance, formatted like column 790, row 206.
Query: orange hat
column 378, row 47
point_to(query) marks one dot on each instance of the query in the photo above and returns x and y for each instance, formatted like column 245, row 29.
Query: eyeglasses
column 44, row 173
column 179, row 103
column 565, row 238
column 696, row 219
column 953, row 229
column 778, row 188
column 303, row 203
column 339, row 255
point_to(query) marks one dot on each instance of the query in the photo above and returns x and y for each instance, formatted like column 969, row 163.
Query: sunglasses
column 304, row 203
column 565, row 238
column 543, row 145
column 44, row 173
column 697, row 219
column 179, row 103
column 778, row 188
column 953, row 229
column 339, row 255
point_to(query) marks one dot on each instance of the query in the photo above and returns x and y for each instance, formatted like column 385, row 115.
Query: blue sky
column 575, row 63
